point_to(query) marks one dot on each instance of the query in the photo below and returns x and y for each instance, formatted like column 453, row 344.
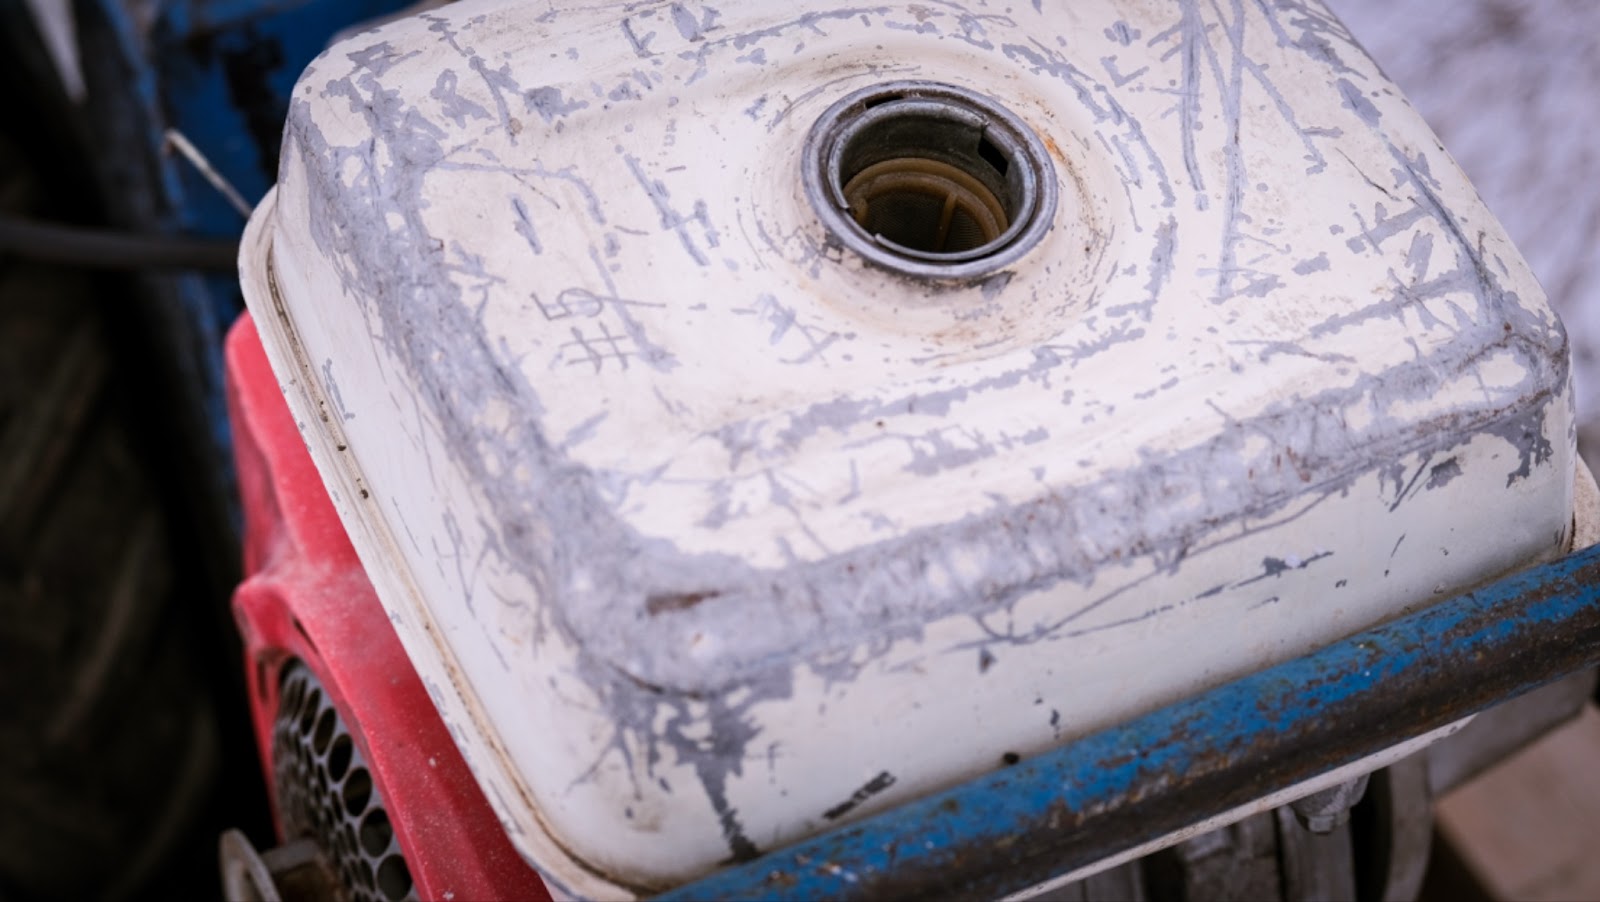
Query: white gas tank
column 756, row 416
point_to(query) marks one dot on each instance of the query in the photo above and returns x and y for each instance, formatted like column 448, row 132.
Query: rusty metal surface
column 1135, row 782
column 1498, row 733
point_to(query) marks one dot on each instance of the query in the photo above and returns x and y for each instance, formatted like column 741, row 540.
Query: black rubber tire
column 108, row 748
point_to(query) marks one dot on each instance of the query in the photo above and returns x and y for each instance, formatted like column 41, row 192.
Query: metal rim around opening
column 929, row 179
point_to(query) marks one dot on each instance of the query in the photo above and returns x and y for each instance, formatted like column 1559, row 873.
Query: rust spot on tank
column 1051, row 145
column 676, row 601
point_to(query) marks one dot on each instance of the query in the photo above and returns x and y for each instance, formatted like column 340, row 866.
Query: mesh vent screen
column 325, row 792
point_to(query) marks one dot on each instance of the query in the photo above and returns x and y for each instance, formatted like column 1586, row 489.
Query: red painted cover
column 306, row 597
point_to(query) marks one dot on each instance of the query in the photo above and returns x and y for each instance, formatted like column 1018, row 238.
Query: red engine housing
column 306, row 598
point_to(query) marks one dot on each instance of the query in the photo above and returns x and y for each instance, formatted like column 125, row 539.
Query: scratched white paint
column 1509, row 85
column 706, row 536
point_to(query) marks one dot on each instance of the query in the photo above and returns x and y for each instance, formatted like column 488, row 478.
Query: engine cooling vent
column 325, row 792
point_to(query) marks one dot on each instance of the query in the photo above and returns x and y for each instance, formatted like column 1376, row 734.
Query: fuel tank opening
column 929, row 179
column 925, row 205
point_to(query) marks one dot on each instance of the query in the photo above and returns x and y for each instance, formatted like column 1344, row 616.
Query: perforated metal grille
column 325, row 792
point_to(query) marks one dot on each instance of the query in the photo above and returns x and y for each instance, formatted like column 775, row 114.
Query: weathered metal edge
column 1133, row 783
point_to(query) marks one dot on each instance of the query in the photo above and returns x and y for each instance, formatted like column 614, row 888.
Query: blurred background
column 124, row 746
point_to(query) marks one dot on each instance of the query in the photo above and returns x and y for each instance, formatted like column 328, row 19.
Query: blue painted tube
column 1114, row 790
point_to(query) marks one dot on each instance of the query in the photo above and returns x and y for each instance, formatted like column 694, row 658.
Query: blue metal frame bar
column 1131, row 784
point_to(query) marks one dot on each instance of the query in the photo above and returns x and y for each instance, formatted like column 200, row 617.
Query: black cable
column 79, row 246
